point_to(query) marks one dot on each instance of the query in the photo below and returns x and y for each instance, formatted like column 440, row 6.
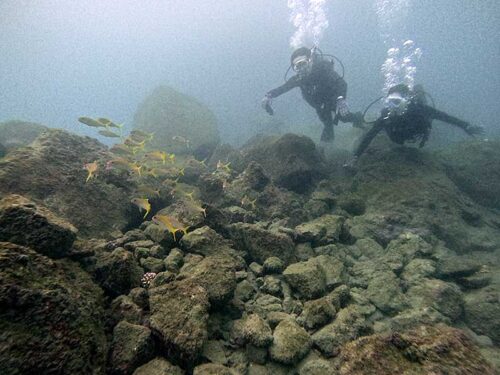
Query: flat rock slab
column 27, row 224
column 179, row 317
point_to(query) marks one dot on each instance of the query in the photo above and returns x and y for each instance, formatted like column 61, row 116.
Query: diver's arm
column 435, row 114
column 368, row 137
column 287, row 86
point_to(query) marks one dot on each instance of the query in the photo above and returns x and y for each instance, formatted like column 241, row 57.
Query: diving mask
column 396, row 104
column 301, row 64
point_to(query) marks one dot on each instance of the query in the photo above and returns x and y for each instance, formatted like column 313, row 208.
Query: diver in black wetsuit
column 406, row 117
column 321, row 86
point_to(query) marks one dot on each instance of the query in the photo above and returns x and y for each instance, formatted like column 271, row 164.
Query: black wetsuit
column 320, row 88
column 413, row 125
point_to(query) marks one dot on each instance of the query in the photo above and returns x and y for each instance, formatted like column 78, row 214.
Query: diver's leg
column 326, row 117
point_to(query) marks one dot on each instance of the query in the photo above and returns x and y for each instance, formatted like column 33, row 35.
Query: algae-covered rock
column 423, row 351
column 117, row 272
column 179, row 316
column 3, row 150
column 213, row 369
column 292, row 161
column 261, row 244
column 407, row 191
column 473, row 166
column 204, row 241
column 256, row 331
column 347, row 326
column 50, row 172
column 169, row 113
column 159, row 366
column 132, row 346
column 442, row 296
column 321, row 231
column 49, row 310
column 306, row 278
column 216, row 274
column 24, row 223
column 290, row 342
column 15, row 134
column 317, row 313
column 482, row 312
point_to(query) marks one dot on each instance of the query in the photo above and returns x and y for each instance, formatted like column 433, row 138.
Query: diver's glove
column 342, row 107
column 474, row 129
column 266, row 104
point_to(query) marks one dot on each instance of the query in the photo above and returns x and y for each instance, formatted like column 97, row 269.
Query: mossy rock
column 49, row 311
column 15, row 134
column 169, row 113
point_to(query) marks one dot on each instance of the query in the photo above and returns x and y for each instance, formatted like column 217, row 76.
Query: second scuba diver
column 406, row 117
column 321, row 86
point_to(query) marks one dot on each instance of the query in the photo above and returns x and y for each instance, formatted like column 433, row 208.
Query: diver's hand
column 266, row 104
column 474, row 129
column 342, row 106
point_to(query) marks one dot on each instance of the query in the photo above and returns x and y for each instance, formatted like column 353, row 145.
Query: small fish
column 142, row 135
column 224, row 167
column 131, row 143
column 136, row 168
column 120, row 149
column 148, row 191
column 90, row 122
column 109, row 123
column 245, row 201
column 157, row 155
column 143, row 204
column 91, row 168
column 198, row 208
column 171, row 158
column 120, row 163
column 180, row 139
column 108, row 133
column 195, row 163
column 169, row 223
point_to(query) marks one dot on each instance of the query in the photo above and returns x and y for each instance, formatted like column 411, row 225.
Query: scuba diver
column 321, row 86
column 406, row 117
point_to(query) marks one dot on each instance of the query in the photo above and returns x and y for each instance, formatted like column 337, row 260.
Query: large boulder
column 290, row 344
column 132, row 346
column 407, row 190
column 179, row 317
column 169, row 113
column 423, row 351
column 292, row 161
column 261, row 244
column 15, row 134
column 482, row 312
column 50, row 171
column 24, row 223
column 51, row 316
column 473, row 166
column 158, row 366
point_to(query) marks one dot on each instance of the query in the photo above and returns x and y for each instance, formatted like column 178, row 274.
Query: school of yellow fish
column 153, row 171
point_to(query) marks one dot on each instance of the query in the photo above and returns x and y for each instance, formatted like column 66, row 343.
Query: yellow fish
column 143, row 204
column 224, row 167
column 197, row 208
column 108, row 133
column 138, row 134
column 181, row 140
column 148, row 191
column 136, row 168
column 157, row 155
column 108, row 122
column 169, row 223
column 245, row 201
column 90, row 122
column 91, row 168
column 120, row 149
